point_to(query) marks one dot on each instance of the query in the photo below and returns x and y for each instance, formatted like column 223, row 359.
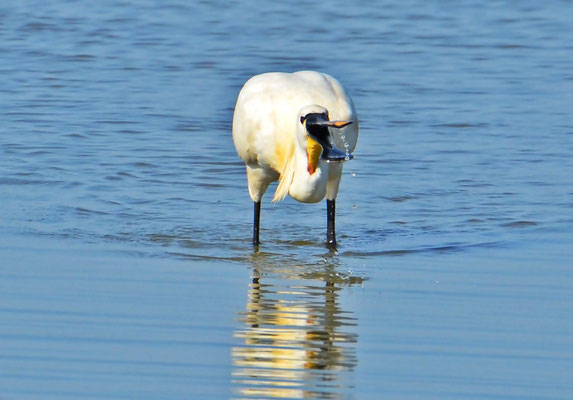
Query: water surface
column 125, row 222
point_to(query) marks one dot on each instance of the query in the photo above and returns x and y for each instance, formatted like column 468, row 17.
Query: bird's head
column 316, row 127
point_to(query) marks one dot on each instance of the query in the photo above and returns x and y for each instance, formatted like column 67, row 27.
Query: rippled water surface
column 126, row 268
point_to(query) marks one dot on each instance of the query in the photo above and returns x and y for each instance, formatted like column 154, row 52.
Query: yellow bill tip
column 339, row 124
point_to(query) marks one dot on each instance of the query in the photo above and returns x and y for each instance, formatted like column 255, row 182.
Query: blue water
column 126, row 268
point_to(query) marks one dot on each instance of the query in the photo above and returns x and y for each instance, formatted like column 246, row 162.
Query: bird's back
column 266, row 112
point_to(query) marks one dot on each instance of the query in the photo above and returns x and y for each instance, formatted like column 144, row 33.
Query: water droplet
column 346, row 145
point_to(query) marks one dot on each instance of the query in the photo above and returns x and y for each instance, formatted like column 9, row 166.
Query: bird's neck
column 309, row 183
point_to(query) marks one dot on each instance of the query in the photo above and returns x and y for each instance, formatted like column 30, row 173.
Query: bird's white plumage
column 266, row 123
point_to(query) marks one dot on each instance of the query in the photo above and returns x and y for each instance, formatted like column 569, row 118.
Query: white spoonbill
column 284, row 128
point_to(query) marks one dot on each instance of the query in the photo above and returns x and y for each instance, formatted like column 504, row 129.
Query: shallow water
column 125, row 223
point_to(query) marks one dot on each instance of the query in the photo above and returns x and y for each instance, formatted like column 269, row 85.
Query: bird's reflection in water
column 295, row 340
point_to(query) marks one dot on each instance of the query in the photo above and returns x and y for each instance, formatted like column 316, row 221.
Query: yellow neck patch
column 313, row 153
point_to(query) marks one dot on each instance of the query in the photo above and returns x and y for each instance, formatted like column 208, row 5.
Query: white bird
column 285, row 128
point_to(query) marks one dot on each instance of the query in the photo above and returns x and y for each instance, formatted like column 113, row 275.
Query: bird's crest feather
column 287, row 175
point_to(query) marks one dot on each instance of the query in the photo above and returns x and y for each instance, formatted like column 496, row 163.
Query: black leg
column 330, row 226
column 256, row 223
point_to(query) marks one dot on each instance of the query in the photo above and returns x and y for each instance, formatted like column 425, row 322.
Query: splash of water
column 346, row 145
column 340, row 133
